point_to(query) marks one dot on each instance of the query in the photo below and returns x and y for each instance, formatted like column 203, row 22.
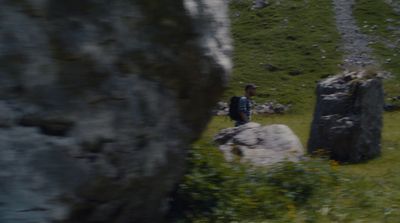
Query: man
column 245, row 104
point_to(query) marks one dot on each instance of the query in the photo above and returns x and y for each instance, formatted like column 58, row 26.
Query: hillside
column 286, row 48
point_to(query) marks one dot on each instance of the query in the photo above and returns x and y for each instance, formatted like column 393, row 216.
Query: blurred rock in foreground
column 96, row 101
column 260, row 145
column 348, row 117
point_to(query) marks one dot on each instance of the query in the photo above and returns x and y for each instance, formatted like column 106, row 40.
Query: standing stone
column 96, row 101
column 348, row 117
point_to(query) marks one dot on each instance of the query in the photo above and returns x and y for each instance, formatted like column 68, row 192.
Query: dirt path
column 395, row 4
column 355, row 43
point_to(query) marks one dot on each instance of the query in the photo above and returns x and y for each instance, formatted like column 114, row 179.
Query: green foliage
column 216, row 191
column 312, row 191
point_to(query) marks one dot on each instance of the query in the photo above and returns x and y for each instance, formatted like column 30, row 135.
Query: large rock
column 348, row 117
column 260, row 145
column 96, row 104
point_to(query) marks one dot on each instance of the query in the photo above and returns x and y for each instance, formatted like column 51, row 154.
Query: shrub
column 216, row 191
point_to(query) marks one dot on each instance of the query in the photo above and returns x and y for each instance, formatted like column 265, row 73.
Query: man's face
column 252, row 91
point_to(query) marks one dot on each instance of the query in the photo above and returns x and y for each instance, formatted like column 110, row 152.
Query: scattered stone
column 348, row 117
column 270, row 108
column 236, row 14
column 394, row 104
column 259, row 4
column 394, row 4
column 393, row 28
column 291, row 38
column 295, row 73
column 260, row 145
column 222, row 108
column 284, row 78
column 391, row 107
column 271, row 67
column 384, row 75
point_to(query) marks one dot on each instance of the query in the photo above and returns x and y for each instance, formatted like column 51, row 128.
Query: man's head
column 250, row 90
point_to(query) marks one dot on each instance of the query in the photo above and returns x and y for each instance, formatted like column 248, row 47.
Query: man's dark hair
column 250, row 86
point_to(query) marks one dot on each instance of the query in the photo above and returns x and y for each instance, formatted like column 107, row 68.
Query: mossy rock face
column 101, row 99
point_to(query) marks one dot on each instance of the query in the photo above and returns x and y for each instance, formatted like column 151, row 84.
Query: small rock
column 392, row 28
column 271, row 67
column 221, row 109
column 222, row 113
column 222, row 105
column 391, row 107
column 291, row 38
column 259, row 4
column 295, row 73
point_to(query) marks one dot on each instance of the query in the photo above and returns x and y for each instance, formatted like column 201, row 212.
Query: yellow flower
column 291, row 211
column 334, row 164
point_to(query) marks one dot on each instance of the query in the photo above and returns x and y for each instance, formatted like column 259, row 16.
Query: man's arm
column 242, row 110
column 243, row 116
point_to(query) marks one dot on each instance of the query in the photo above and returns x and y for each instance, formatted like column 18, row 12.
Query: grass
column 294, row 37
column 366, row 192
column 369, row 191
column 269, row 45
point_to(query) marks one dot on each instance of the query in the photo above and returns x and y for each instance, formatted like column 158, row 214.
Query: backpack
column 234, row 108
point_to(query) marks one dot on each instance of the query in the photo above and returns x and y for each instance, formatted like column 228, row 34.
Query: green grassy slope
column 295, row 36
